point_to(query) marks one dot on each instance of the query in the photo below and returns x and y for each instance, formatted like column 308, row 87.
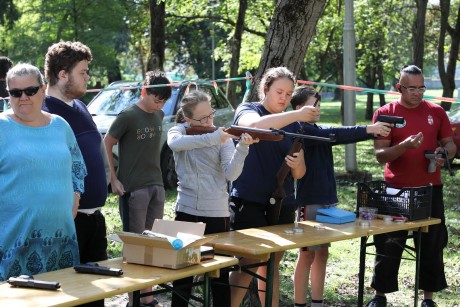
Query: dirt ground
column 122, row 299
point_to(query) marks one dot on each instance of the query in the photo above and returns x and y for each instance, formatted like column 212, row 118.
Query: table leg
column 362, row 265
column 136, row 298
column 207, row 289
column 418, row 238
column 269, row 280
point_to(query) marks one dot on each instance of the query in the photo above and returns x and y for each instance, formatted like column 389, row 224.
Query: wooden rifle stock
column 277, row 197
column 261, row 134
column 198, row 130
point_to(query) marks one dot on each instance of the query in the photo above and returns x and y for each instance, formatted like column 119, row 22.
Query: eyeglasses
column 204, row 119
column 29, row 91
column 413, row 89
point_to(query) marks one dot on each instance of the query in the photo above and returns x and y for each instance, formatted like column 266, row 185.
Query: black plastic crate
column 413, row 203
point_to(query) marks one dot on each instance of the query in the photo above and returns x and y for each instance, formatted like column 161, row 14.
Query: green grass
column 342, row 271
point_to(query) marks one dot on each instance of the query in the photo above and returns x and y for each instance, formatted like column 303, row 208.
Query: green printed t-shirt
column 138, row 134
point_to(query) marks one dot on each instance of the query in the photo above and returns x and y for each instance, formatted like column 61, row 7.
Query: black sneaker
column 429, row 303
column 377, row 301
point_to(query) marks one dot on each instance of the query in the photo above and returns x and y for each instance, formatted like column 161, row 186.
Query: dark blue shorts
column 246, row 214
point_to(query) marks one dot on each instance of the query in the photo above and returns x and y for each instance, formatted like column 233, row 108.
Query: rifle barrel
column 331, row 137
column 280, row 132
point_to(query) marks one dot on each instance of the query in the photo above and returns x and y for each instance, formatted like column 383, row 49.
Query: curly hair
column 64, row 56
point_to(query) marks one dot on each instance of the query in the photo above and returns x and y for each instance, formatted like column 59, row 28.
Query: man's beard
column 72, row 91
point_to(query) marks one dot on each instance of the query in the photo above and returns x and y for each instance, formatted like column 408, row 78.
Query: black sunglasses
column 29, row 91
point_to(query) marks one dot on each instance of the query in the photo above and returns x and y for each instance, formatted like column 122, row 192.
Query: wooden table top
column 258, row 243
column 77, row 288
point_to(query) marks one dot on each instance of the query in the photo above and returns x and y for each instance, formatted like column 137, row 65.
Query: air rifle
column 278, row 196
column 262, row 134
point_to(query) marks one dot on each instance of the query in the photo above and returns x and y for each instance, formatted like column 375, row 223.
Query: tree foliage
column 122, row 40
column 291, row 29
column 42, row 23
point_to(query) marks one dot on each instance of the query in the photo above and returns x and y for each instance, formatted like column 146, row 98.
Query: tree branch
column 218, row 19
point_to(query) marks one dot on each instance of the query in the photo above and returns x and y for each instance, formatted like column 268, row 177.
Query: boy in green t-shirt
column 138, row 182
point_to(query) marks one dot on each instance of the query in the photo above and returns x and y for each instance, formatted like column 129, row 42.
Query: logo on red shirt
column 430, row 119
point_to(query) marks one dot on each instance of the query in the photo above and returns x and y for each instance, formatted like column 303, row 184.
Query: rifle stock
column 277, row 197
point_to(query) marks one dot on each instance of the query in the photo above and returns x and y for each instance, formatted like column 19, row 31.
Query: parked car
column 454, row 118
column 107, row 104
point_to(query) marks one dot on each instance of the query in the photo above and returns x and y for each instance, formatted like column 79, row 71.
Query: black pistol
column 27, row 281
column 397, row 121
column 94, row 268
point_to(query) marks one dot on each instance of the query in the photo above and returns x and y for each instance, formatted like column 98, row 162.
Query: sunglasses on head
column 29, row 91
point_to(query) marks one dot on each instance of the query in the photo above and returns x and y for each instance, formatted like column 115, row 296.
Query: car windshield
column 112, row 100
column 454, row 116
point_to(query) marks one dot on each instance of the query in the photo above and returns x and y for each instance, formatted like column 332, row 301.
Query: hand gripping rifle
column 277, row 197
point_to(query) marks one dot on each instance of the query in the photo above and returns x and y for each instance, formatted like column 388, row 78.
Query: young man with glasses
column 402, row 151
column 66, row 71
column 138, row 180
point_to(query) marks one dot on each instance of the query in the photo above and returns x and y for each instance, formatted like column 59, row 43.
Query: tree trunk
column 447, row 76
column 157, row 35
column 236, row 49
column 291, row 29
column 381, row 79
column 418, row 33
column 370, row 83
column 338, row 93
column 445, row 7
column 114, row 72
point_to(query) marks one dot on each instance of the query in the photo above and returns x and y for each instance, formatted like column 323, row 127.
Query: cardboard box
column 158, row 251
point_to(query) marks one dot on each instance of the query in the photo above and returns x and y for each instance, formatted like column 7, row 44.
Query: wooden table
column 262, row 243
column 77, row 288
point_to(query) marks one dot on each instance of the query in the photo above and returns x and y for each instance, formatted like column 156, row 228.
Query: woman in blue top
column 251, row 192
column 41, row 178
